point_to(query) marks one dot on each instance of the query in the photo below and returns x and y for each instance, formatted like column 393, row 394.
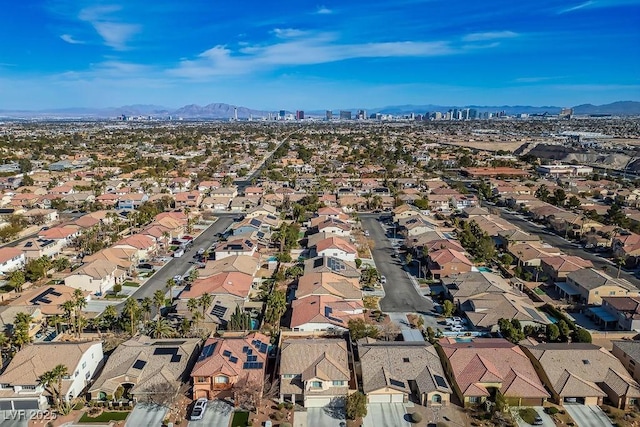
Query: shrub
column 416, row 417
column 528, row 415
column 552, row 410
column 288, row 405
column 280, row 405
column 285, row 425
column 278, row 416
column 117, row 288
column 79, row 405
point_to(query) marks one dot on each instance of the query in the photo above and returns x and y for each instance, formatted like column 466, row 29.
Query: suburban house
column 97, row 277
column 142, row 367
column 589, row 285
column 324, row 312
column 11, row 259
column 414, row 226
column 236, row 263
column 64, row 235
column 622, row 313
column 480, row 367
column 332, row 225
column 145, row 245
column 333, row 265
column 125, row 258
column 48, row 299
column 448, row 262
column 583, row 373
column 8, row 314
column 337, row 248
column 188, row 199
column 314, row 372
column 628, row 352
column 20, row 386
column 235, row 247
column 559, row 266
column 404, row 211
column 231, row 367
column 261, row 210
column 397, row 372
column 328, row 284
column 226, row 283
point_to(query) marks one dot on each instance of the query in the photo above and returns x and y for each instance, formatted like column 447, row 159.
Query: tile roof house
column 235, row 247
column 47, row 299
column 145, row 245
column 393, row 371
column 11, row 259
column 628, row 353
column 125, row 258
column 583, row 373
column 231, row 367
column 333, row 225
column 482, row 365
column 590, row 285
column 97, row 277
column 336, row 247
column 20, row 386
column 447, row 262
column 232, row 283
column 328, row 284
column 324, row 312
column 314, row 372
column 623, row 313
column 235, row 263
column 559, row 266
column 331, row 264
column 146, row 367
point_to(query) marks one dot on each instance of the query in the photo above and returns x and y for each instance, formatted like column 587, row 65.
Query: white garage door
column 317, row 402
column 379, row 398
column 397, row 398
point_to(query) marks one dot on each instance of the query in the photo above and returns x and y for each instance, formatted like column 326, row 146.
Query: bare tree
column 162, row 394
column 247, row 395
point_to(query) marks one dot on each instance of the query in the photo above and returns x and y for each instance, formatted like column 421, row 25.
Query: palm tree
column 59, row 372
column 109, row 316
column 131, row 310
column 146, row 305
column 161, row 328
column 47, row 380
column 170, row 284
column 165, row 237
column 193, row 305
column 205, row 301
column 4, row 340
column 197, row 317
column 159, row 301
column 69, row 309
column 80, row 303
column 620, row 261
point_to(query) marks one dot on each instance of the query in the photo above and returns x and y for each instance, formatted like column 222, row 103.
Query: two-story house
column 589, row 285
column 97, row 277
column 11, row 259
column 314, row 372
column 20, row 385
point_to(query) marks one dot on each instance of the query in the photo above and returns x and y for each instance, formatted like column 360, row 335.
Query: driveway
column 218, row 414
column 547, row 421
column 325, row 417
column 145, row 414
column 386, row 415
column 400, row 294
column 588, row 415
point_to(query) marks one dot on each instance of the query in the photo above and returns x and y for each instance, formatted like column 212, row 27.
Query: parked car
column 177, row 279
column 201, row 251
column 456, row 328
column 383, row 280
column 451, row 321
column 538, row 421
column 198, row 409
column 366, row 233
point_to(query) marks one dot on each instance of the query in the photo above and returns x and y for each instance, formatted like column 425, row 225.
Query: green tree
column 573, row 202
column 448, row 308
column 356, row 406
column 17, row 280
column 109, row 317
column 552, row 332
column 542, row 193
column 61, row 263
column 564, row 329
column 239, row 320
column 161, row 328
column 506, row 259
column 559, row 196
column 204, row 302
column 358, row 329
column 581, row 335
column 276, row 307
column 170, row 285
column 131, row 311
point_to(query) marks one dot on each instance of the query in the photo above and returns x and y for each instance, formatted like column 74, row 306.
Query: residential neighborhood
column 238, row 274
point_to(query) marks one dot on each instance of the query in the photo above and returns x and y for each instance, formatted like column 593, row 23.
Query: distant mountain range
column 226, row 111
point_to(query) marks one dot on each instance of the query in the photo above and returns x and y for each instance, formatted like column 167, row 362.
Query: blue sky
column 329, row 54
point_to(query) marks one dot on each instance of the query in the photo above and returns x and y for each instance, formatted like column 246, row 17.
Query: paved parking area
column 145, row 414
column 588, row 415
column 386, row 415
column 326, row 417
column 218, row 414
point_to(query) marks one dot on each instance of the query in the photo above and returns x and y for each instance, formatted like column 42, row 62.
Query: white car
column 366, row 233
column 198, row 409
column 383, row 280
column 456, row 328
column 452, row 321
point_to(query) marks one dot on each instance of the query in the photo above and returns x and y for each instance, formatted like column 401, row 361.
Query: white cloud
column 323, row 10
column 70, row 39
column 599, row 4
column 322, row 48
column 114, row 33
column 578, row 7
column 289, row 33
column 491, row 35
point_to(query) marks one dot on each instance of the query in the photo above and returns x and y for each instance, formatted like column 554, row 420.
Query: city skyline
column 62, row 53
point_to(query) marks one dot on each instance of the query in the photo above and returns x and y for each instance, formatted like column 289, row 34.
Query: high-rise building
column 328, row 115
column 299, row 115
column 362, row 115
column 281, row 114
column 235, row 113
column 345, row 115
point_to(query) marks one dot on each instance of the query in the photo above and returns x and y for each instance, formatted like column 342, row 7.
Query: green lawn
column 104, row 417
column 132, row 284
column 240, row 419
column 538, row 291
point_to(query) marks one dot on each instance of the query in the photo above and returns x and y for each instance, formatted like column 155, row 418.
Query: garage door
column 379, row 398
column 14, row 405
column 322, row 401
column 397, row 398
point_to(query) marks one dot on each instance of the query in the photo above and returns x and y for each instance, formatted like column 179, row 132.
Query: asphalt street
column 566, row 246
column 401, row 296
column 179, row 266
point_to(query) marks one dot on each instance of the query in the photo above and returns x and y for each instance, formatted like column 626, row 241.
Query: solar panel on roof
column 219, row 311
column 440, row 381
column 252, row 365
column 245, row 348
column 139, row 364
column 263, row 348
column 396, row 383
column 176, row 358
column 252, row 359
column 249, row 351
column 233, row 359
column 165, row 351
column 207, row 351
column 226, row 353
column 167, row 343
